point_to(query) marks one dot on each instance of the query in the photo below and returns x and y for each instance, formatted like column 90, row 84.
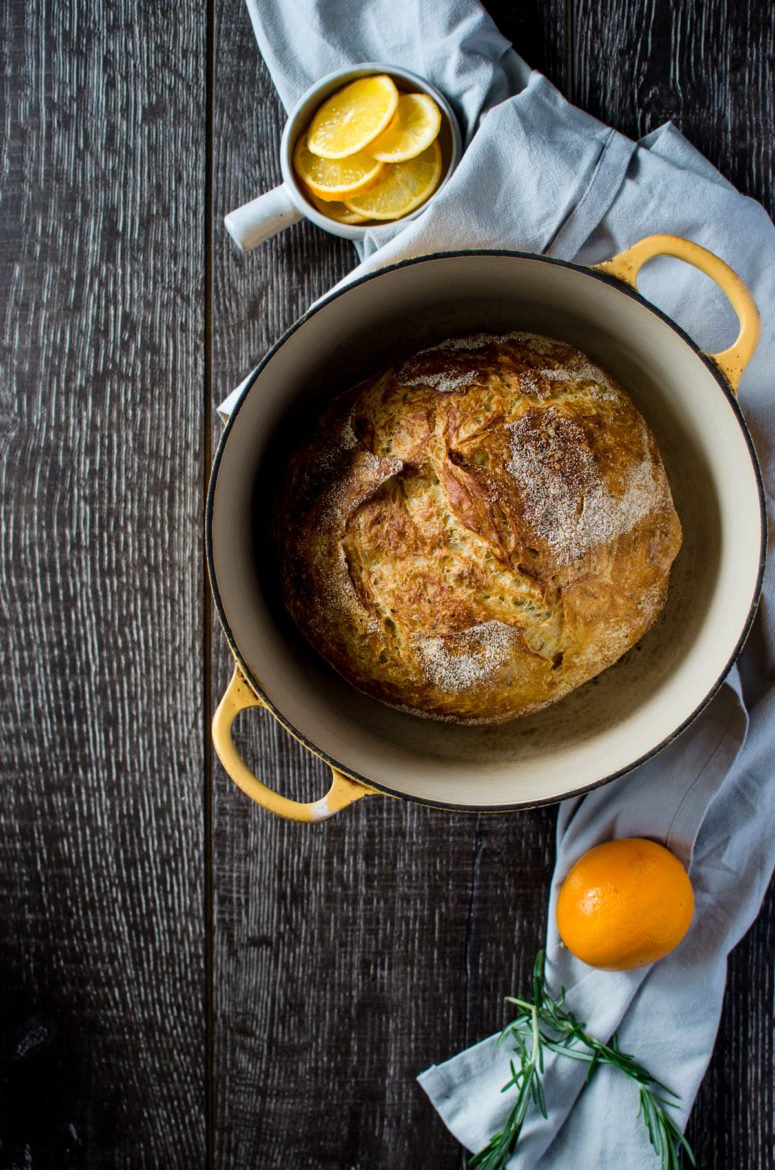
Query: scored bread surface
column 472, row 535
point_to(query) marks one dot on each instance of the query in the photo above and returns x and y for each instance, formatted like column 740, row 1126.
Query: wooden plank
column 732, row 1123
column 512, row 855
column 709, row 69
column 320, row 1016
column 539, row 32
column 350, row 956
column 744, row 1056
column 101, row 853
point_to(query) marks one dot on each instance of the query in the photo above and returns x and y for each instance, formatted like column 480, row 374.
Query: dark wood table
column 186, row 980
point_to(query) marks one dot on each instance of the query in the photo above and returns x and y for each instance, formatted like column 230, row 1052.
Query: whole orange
column 625, row 903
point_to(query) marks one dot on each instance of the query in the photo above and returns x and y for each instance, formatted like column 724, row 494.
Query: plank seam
column 206, row 597
column 569, row 50
column 470, row 925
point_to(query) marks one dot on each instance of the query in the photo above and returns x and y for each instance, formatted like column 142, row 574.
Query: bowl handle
column 731, row 362
column 262, row 218
column 239, row 697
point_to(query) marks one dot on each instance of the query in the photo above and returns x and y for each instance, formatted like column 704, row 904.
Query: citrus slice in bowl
column 415, row 126
column 402, row 188
column 334, row 209
column 353, row 117
column 336, row 178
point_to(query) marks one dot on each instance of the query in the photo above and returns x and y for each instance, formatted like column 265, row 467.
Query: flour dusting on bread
column 563, row 492
column 459, row 660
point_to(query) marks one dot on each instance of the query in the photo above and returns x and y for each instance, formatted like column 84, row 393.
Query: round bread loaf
column 476, row 533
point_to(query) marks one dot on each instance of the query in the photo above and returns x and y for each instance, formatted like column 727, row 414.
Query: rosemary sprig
column 546, row 1025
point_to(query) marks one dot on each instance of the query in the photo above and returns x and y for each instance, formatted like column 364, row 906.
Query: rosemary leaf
column 545, row 1025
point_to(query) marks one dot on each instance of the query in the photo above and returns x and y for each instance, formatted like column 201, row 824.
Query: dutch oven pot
column 627, row 713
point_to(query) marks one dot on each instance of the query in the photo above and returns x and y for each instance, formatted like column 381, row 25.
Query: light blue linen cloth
column 541, row 176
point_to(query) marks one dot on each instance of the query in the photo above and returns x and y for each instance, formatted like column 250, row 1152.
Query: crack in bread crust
column 476, row 533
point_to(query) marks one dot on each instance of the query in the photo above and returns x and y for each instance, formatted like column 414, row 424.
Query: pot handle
column 239, row 697
column 731, row 362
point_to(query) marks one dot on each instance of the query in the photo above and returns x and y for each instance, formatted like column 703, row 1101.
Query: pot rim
column 316, row 308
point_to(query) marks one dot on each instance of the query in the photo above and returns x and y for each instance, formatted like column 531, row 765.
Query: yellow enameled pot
column 629, row 712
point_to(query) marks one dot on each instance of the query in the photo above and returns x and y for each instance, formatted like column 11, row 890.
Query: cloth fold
column 540, row 175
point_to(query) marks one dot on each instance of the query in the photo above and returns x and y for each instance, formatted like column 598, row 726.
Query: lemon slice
column 405, row 186
column 353, row 117
column 416, row 124
column 334, row 209
column 336, row 178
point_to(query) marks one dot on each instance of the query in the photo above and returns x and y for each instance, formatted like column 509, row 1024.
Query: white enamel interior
column 629, row 710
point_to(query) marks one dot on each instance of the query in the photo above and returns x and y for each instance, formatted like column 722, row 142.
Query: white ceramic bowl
column 626, row 714
column 276, row 210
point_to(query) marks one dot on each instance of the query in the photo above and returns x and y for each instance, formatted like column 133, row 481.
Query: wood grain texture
column 348, row 957
column 540, row 32
column 710, row 68
column 733, row 1120
column 318, row 978
column 101, row 853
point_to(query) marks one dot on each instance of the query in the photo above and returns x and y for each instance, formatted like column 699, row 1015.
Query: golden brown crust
column 473, row 535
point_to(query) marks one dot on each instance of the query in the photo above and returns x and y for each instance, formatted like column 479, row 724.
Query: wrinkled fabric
column 540, row 175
